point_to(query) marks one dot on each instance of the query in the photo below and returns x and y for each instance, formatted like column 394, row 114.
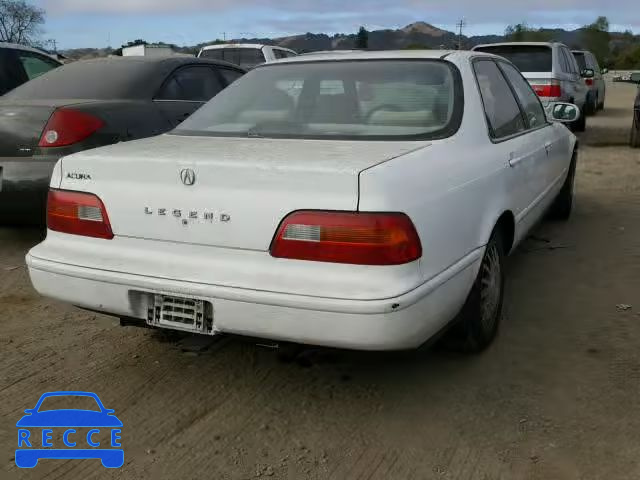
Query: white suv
column 550, row 68
column 247, row 55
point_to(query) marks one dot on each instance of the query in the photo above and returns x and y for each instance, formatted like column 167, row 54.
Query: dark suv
column 19, row 64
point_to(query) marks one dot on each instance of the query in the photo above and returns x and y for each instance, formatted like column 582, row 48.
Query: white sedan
column 362, row 201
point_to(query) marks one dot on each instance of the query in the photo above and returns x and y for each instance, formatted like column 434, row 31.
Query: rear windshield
column 580, row 58
column 528, row 58
column 245, row 57
column 339, row 99
column 100, row 80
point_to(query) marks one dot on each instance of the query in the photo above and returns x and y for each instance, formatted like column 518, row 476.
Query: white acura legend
column 363, row 200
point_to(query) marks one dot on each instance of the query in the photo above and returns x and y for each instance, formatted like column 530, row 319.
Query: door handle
column 513, row 160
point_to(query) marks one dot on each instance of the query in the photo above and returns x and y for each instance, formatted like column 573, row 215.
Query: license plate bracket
column 181, row 313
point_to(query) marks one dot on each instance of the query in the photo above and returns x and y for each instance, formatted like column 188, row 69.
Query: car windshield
column 66, row 402
column 528, row 58
column 336, row 99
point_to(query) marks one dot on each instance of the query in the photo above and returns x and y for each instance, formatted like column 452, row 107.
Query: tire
column 591, row 105
column 477, row 324
column 634, row 140
column 581, row 124
column 563, row 204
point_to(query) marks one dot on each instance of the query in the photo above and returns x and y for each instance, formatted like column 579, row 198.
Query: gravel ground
column 556, row 397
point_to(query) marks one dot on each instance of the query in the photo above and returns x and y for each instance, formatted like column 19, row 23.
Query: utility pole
column 55, row 45
column 461, row 24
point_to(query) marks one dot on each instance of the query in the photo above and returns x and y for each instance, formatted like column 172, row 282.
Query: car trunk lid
column 226, row 192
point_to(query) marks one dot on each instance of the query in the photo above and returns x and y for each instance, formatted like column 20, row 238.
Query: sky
column 101, row 23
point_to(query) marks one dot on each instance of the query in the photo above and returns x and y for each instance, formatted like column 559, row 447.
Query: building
column 147, row 51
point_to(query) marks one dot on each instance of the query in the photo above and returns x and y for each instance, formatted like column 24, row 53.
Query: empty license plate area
column 179, row 313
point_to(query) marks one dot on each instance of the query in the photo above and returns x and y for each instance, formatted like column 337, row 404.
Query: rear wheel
column 478, row 322
column 563, row 204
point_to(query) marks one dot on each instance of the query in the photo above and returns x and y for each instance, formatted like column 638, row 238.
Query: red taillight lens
column 588, row 81
column 346, row 237
column 77, row 213
column 552, row 90
column 67, row 126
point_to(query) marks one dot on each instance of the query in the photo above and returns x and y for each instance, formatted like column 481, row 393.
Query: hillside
column 415, row 35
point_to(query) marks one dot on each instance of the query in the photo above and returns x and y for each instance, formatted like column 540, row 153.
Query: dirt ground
column 556, row 397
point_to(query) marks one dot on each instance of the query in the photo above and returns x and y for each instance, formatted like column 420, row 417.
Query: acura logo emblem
column 188, row 177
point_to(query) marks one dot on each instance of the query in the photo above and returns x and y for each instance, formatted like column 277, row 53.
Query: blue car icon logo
column 36, row 433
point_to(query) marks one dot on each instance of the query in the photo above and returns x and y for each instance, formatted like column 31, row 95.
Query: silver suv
column 550, row 68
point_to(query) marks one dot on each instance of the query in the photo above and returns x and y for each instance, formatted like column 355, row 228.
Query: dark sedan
column 635, row 126
column 89, row 104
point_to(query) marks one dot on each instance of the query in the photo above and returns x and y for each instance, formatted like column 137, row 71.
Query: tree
column 521, row 32
column 19, row 21
column 362, row 38
column 596, row 38
column 133, row 43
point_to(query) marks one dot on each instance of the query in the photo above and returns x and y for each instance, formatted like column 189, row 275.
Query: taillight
column 77, row 213
column 347, row 237
column 588, row 81
column 552, row 89
column 67, row 126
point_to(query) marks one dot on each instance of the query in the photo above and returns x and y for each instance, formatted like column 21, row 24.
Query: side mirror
column 29, row 411
column 605, row 70
column 588, row 73
column 564, row 112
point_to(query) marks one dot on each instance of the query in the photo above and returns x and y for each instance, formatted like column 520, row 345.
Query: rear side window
column 571, row 62
column 528, row 58
column 250, row 57
column 581, row 59
column 593, row 63
column 35, row 65
column 216, row 53
column 500, row 106
column 529, row 101
column 197, row 84
column 245, row 57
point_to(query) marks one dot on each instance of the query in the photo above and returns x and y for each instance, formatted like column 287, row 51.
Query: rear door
column 508, row 127
column 552, row 161
column 186, row 90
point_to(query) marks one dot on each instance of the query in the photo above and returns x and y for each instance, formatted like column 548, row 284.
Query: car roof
column 525, row 44
column 235, row 45
column 15, row 46
column 372, row 55
column 112, row 78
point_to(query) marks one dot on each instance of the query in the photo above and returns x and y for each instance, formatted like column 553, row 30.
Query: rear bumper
column 403, row 322
column 24, row 183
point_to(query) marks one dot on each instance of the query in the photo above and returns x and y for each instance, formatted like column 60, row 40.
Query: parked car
column 593, row 79
column 551, row 70
column 635, row 126
column 247, row 55
column 88, row 104
column 19, row 64
column 362, row 201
